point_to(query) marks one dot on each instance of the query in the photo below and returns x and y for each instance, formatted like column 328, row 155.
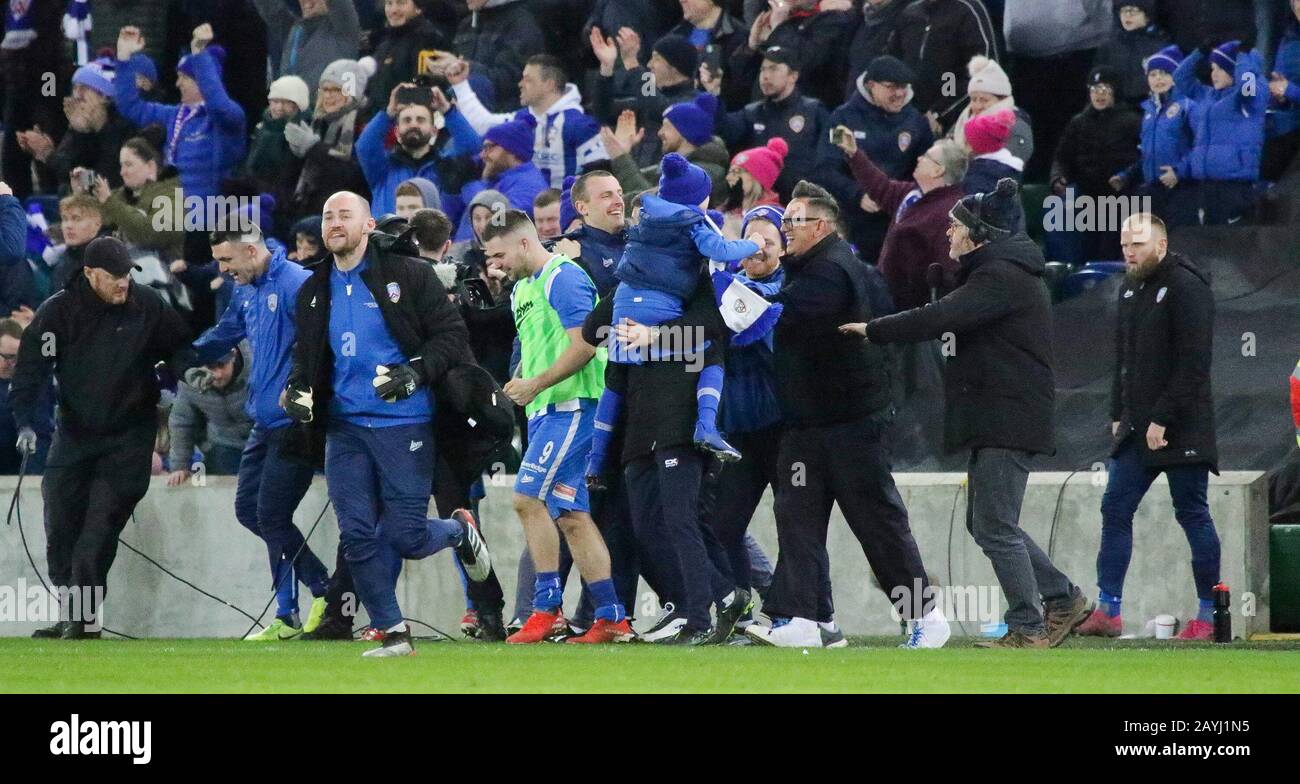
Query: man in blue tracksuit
column 271, row 483
column 1227, row 119
column 376, row 333
column 1166, row 141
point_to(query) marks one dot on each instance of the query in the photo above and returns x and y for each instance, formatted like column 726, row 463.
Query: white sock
column 400, row 627
column 828, row 625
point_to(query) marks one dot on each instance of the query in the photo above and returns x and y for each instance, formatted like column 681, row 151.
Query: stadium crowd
column 823, row 151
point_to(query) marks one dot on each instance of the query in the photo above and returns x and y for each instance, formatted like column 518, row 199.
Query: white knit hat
column 290, row 88
column 987, row 76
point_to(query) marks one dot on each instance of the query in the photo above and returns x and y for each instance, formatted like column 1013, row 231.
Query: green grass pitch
column 869, row 665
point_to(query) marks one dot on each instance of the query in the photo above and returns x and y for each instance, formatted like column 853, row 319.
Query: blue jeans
column 269, row 488
column 1129, row 481
column 380, row 480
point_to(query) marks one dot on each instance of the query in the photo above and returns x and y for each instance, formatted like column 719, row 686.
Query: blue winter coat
column 1228, row 124
column 664, row 250
column 211, row 143
column 749, row 400
column 1284, row 117
column 262, row 312
column 519, row 185
column 385, row 170
column 1166, row 137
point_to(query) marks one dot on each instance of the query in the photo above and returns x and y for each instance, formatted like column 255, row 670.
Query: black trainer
column 490, row 628
column 76, row 630
column 667, row 625
column 472, row 549
column 738, row 604
column 49, row 632
column 690, row 637
column 395, row 644
column 331, row 628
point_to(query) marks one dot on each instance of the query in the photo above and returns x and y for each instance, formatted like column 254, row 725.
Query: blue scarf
column 18, row 25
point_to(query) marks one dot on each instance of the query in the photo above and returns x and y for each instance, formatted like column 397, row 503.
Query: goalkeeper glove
column 395, row 382
column 297, row 402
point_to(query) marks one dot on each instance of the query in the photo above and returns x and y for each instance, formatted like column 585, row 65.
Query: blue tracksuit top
column 1166, row 137
column 749, row 400
column 600, row 253
column 263, row 313
column 1228, row 124
column 360, row 341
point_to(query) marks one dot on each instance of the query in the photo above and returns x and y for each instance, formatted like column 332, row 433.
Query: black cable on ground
column 276, row 588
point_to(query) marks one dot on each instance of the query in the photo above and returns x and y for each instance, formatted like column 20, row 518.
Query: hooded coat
column 1163, row 348
column 999, row 389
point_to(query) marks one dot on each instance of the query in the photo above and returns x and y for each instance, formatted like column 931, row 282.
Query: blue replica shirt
column 571, row 293
column 262, row 312
column 360, row 341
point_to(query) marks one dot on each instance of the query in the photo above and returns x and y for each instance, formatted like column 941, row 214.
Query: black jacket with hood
column 999, row 390
column 1163, row 345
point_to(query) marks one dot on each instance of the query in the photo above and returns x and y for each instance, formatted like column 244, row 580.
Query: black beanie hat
column 993, row 215
column 680, row 53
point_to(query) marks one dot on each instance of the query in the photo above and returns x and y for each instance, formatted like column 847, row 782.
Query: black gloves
column 396, row 382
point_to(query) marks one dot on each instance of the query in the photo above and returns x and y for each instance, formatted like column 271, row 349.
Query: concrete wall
column 192, row 531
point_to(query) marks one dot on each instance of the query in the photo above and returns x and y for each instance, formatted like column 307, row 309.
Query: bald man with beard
column 376, row 333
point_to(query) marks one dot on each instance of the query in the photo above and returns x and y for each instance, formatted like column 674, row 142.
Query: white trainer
column 797, row 633
column 932, row 631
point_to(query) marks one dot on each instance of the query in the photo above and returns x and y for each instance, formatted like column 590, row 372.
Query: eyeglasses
column 1101, row 89
column 797, row 222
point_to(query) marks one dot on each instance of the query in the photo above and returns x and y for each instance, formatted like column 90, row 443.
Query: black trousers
column 91, row 486
column 733, row 492
column 843, row 464
column 663, row 495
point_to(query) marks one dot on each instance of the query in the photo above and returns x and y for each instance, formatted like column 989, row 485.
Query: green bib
column 542, row 340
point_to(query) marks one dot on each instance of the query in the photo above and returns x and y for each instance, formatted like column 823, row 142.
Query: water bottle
column 1222, row 614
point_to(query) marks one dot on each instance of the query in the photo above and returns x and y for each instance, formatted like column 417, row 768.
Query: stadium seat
column 1081, row 281
column 1055, row 275
column 1031, row 201
column 1108, row 267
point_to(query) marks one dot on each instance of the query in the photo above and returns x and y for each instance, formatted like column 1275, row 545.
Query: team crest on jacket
column 1172, row 111
column 272, row 301
column 904, row 140
column 796, row 123
column 394, row 292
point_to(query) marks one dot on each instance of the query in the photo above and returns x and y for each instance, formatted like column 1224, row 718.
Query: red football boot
column 1099, row 624
column 606, row 631
column 1197, row 630
column 371, row 634
column 540, row 626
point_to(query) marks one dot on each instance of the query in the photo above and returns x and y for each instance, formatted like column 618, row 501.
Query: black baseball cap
column 110, row 255
column 782, row 55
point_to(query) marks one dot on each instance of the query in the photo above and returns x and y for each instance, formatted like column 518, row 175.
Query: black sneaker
column 76, row 630
column 690, row 637
column 472, row 549
column 667, row 625
column 490, row 628
column 738, row 604
column 49, row 632
column 332, row 628
column 395, row 644
column 516, row 624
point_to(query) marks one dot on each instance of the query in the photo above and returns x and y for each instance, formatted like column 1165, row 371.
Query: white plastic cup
column 1165, row 627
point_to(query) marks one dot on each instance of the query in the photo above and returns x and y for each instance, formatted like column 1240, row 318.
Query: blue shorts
column 554, row 468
